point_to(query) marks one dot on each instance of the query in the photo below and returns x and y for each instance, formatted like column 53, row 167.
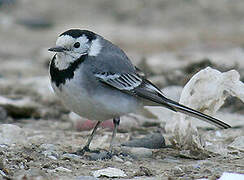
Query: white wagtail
column 95, row 79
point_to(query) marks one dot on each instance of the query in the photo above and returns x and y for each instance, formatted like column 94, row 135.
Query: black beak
column 58, row 49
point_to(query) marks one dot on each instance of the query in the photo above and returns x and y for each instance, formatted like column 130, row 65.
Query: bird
column 95, row 79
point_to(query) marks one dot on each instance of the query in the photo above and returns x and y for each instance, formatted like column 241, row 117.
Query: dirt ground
column 170, row 40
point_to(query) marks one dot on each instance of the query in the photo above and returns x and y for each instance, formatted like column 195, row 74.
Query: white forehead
column 66, row 40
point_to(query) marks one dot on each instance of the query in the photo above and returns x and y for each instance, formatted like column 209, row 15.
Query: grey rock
column 153, row 141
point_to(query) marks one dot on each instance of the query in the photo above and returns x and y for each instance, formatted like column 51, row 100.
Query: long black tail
column 150, row 92
column 191, row 112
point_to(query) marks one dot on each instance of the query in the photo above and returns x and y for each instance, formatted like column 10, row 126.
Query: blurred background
column 168, row 39
column 154, row 34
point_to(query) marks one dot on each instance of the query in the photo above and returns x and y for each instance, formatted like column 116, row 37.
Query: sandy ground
column 169, row 40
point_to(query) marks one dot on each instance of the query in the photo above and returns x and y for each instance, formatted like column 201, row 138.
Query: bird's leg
column 116, row 122
column 86, row 147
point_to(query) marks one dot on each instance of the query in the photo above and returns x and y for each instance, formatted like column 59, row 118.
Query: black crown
column 76, row 33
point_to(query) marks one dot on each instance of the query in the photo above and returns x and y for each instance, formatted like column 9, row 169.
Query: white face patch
column 65, row 58
column 95, row 48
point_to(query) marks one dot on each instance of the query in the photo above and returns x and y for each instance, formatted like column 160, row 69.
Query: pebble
column 109, row 172
column 153, row 141
column 52, row 157
column 116, row 158
column 70, row 156
column 137, row 152
column 62, row 169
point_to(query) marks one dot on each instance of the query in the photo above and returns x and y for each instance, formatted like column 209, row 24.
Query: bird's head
column 73, row 44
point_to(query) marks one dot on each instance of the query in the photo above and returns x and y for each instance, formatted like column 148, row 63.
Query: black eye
column 77, row 45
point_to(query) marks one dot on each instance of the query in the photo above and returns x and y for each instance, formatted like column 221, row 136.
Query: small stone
column 70, row 156
column 62, row 169
column 52, row 157
column 116, row 158
column 138, row 152
column 109, row 172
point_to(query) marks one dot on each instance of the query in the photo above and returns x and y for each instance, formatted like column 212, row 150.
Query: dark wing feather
column 123, row 82
column 135, row 85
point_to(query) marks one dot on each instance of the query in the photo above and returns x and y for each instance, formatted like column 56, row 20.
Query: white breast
column 100, row 105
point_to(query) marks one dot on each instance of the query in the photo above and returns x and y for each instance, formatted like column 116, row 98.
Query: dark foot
column 81, row 152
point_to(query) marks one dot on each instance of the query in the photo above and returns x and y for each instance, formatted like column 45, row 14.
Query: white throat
column 63, row 61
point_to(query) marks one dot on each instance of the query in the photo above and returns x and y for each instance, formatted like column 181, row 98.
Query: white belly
column 99, row 106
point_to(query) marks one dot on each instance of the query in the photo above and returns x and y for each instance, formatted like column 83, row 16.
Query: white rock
column 238, row 144
column 231, row 176
column 11, row 134
column 116, row 158
column 62, row 169
column 206, row 90
column 109, row 172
